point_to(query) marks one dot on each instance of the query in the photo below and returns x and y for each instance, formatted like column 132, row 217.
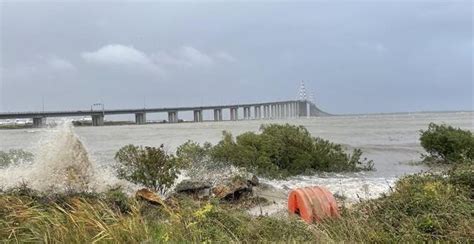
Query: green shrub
column 149, row 166
column 14, row 157
column 462, row 175
column 191, row 154
column 281, row 150
column 447, row 144
column 421, row 208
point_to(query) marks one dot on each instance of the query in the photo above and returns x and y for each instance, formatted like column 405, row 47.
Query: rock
column 192, row 186
column 149, row 196
column 233, row 189
column 254, row 180
column 197, row 189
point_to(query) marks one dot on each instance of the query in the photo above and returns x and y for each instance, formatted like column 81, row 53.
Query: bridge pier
column 197, row 115
column 258, row 112
column 278, row 111
column 283, row 111
column 173, row 117
column 39, row 122
column 302, row 109
column 292, row 110
column 97, row 119
column 246, row 113
column 217, row 114
column 140, row 118
column 234, row 113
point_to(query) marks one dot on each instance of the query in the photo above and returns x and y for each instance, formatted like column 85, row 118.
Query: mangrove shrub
column 283, row 150
column 148, row 166
column 447, row 144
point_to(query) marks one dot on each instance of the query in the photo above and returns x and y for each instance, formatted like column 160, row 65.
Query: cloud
column 188, row 56
column 42, row 66
column 226, row 57
column 60, row 64
column 120, row 55
column 182, row 57
column 195, row 57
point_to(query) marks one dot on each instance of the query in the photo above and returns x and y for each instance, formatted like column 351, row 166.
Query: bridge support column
column 290, row 115
column 258, row 112
column 246, row 112
column 234, row 114
column 140, row 118
column 292, row 110
column 283, row 110
column 302, row 109
column 278, row 111
column 97, row 120
column 265, row 111
column 197, row 115
column 217, row 114
column 39, row 122
column 173, row 117
column 295, row 110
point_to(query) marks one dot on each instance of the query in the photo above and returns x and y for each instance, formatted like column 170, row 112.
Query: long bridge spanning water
column 267, row 110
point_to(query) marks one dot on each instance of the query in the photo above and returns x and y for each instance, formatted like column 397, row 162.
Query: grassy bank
column 419, row 208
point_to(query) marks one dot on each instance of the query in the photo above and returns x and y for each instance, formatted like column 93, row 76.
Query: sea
column 390, row 140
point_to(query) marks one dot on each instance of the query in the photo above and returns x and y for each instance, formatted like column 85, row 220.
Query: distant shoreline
column 416, row 112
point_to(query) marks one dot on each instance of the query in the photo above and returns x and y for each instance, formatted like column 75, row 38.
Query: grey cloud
column 355, row 56
column 120, row 55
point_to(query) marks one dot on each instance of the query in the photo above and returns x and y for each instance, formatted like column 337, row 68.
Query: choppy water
column 390, row 140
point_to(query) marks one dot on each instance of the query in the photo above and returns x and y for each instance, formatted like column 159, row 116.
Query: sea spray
column 61, row 163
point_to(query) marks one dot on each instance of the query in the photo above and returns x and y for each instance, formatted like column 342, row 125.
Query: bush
column 421, row 208
column 14, row 157
column 286, row 150
column 149, row 166
column 447, row 144
column 462, row 175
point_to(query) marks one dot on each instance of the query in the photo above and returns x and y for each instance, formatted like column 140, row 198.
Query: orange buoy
column 312, row 203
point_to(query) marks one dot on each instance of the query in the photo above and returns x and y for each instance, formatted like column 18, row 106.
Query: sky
column 354, row 56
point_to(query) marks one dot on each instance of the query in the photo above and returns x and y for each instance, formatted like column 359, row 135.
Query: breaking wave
column 61, row 163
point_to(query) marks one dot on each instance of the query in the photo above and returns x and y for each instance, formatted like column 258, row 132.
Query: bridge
column 267, row 110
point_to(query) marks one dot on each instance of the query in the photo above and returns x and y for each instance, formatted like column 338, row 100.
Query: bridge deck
column 18, row 115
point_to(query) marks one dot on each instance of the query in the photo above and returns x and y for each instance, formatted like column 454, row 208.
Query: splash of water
column 61, row 164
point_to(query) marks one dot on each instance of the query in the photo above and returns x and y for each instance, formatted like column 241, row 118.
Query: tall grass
column 77, row 221
column 420, row 208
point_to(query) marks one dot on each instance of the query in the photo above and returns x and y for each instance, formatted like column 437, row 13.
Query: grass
column 27, row 216
column 422, row 207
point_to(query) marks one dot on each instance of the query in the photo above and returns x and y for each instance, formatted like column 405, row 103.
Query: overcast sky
column 355, row 56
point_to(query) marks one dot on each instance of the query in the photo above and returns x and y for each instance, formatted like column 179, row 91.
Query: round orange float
column 312, row 203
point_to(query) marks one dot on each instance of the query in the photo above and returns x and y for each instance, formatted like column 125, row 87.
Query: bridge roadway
column 267, row 110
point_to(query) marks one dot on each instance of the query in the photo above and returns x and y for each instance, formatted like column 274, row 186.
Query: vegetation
column 423, row 207
column 26, row 216
column 447, row 144
column 14, row 157
column 278, row 151
column 148, row 166
column 420, row 208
